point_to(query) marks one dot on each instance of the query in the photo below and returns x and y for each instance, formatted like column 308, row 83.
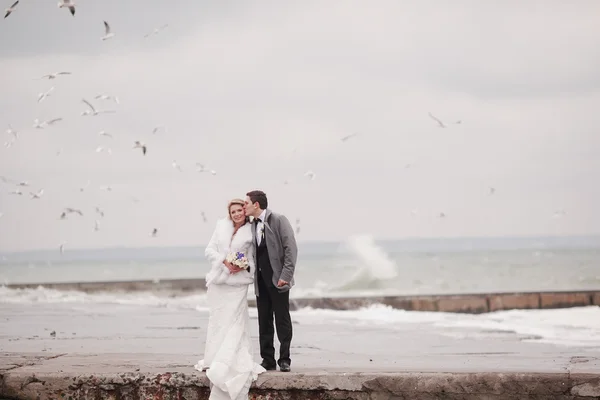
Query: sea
column 358, row 266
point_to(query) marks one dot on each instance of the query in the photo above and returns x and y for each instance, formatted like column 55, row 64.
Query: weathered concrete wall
column 363, row 386
column 466, row 303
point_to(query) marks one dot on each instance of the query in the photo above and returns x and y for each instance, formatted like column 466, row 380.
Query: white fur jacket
column 221, row 243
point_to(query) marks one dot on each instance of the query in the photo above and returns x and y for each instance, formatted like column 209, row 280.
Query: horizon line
column 407, row 238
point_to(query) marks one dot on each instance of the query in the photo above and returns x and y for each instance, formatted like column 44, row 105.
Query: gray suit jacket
column 282, row 248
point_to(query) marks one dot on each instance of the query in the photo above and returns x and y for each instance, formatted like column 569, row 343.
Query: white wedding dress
column 228, row 356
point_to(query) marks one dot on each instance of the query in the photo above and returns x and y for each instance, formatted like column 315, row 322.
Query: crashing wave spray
column 375, row 267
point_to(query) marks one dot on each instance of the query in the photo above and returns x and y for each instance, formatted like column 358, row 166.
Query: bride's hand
column 232, row 268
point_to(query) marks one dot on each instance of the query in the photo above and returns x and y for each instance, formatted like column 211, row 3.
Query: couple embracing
column 252, row 245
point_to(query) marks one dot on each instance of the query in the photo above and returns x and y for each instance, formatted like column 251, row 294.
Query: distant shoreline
column 409, row 244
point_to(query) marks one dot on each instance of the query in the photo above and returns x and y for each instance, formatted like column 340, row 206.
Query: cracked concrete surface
column 103, row 351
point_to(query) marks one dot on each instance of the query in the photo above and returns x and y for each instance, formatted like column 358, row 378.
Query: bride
column 228, row 356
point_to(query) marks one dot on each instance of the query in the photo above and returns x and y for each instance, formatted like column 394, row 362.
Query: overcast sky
column 263, row 91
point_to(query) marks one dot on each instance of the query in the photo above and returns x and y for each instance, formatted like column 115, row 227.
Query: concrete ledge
column 474, row 303
column 277, row 385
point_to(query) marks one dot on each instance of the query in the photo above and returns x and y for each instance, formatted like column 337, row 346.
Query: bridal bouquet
column 238, row 259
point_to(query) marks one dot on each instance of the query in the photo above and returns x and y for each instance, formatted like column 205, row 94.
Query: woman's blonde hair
column 238, row 202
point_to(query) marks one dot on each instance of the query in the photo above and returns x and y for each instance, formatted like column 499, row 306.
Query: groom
column 275, row 254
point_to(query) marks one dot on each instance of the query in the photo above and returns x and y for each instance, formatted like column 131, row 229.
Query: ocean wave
column 576, row 327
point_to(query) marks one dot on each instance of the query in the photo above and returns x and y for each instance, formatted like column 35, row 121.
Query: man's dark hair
column 260, row 197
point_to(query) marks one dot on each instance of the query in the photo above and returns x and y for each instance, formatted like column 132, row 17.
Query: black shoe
column 284, row 366
column 267, row 366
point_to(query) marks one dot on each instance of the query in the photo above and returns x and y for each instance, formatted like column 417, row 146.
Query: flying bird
column 41, row 125
column 177, row 166
column 140, row 145
column 81, row 189
column 347, row 137
column 311, row 175
column 92, row 110
column 156, row 30
column 202, row 168
column 203, row 217
column 55, row 75
column 70, row 4
column 107, row 33
column 10, row 9
column 102, row 148
column 154, row 232
column 37, row 195
column 70, row 210
column 156, row 129
column 107, row 97
column 104, row 133
column 43, row 95
column 61, row 248
column 11, row 131
column 96, row 226
column 100, row 212
column 440, row 123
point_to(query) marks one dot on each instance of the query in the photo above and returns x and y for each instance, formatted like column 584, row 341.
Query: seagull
column 8, row 144
column 70, row 4
column 311, row 175
column 37, row 195
column 156, row 129
column 70, row 210
column 92, row 110
column 59, row 151
column 442, row 215
column 345, row 138
column 17, row 192
column 202, row 168
column 492, row 190
column 100, row 212
column 156, row 30
column 107, row 97
column 96, row 226
column 154, row 232
column 176, row 166
column 11, row 131
column 86, row 185
column 440, row 123
column 107, row 188
column 140, row 145
column 55, row 75
column 61, row 248
column 41, row 125
column 559, row 213
column 104, row 133
column 10, row 9
column 43, row 95
column 297, row 226
column 107, row 33
column 102, row 148
column 203, row 216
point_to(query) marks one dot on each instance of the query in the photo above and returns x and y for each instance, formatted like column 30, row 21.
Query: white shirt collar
column 262, row 215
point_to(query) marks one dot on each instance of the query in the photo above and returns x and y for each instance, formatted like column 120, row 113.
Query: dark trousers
column 271, row 302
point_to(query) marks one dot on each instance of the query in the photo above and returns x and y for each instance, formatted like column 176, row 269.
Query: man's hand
column 281, row 283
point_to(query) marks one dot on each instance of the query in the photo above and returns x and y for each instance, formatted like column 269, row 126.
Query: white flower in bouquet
column 238, row 259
